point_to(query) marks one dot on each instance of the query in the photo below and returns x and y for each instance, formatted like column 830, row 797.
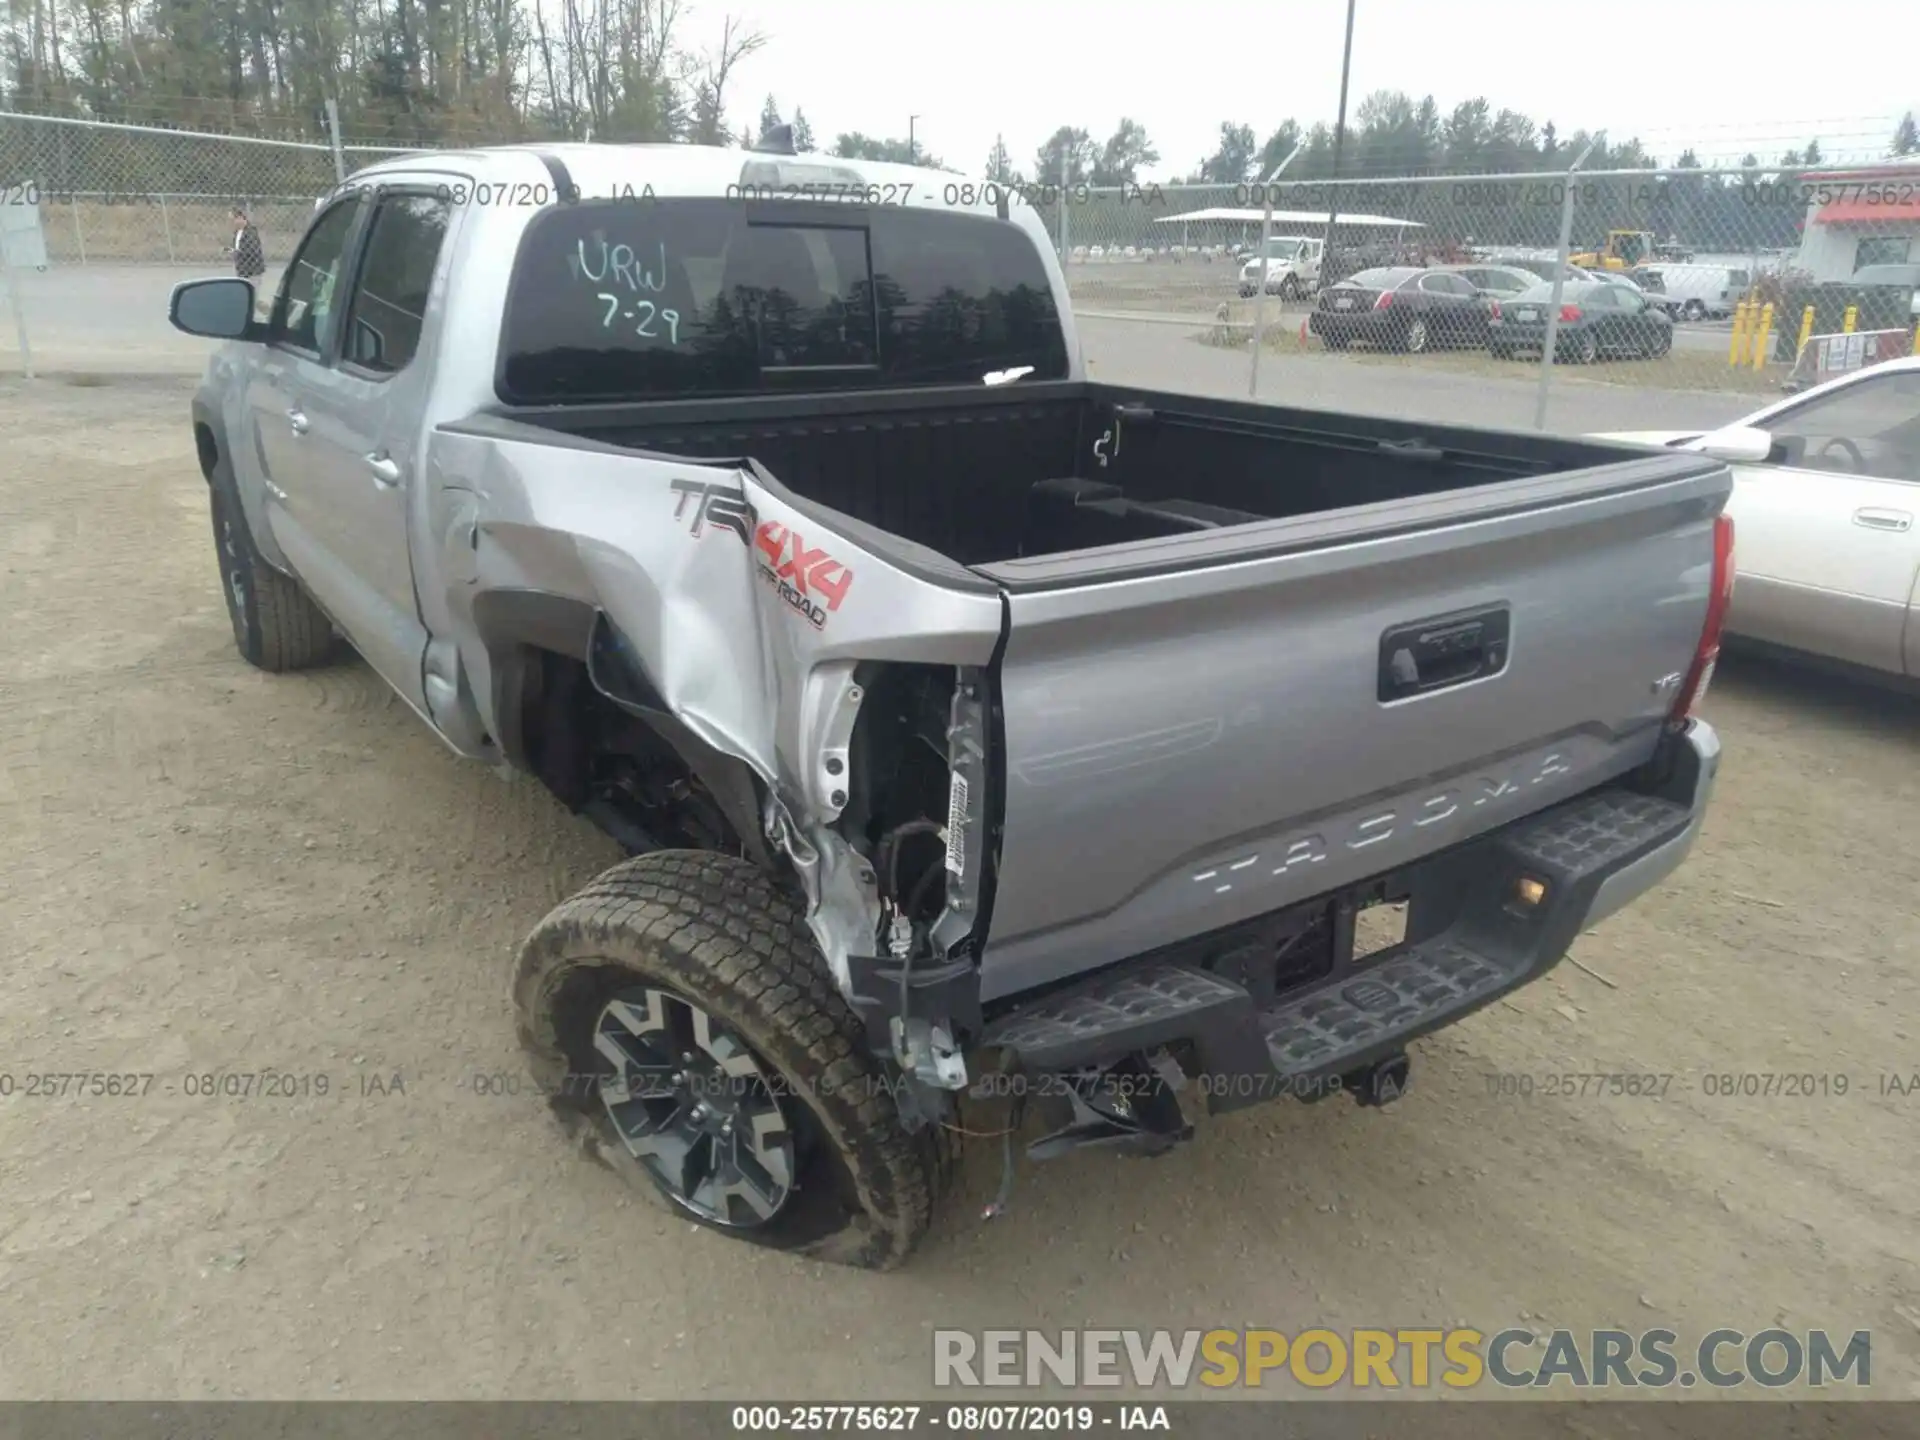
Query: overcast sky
column 1722, row 76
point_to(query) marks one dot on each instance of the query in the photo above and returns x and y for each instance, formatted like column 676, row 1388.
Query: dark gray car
column 1597, row 320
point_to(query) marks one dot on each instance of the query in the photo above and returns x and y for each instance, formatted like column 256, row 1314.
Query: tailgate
column 1204, row 729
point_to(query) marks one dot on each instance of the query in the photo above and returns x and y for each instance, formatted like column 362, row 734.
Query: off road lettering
column 805, row 572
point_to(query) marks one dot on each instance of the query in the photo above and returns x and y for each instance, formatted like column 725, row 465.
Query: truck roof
column 618, row 171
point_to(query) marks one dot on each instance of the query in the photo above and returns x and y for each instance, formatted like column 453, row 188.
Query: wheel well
column 207, row 448
column 637, row 773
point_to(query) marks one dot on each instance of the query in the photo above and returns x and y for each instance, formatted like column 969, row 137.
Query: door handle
column 1876, row 519
column 384, row 469
column 297, row 422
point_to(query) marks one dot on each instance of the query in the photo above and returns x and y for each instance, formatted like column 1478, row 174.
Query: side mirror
column 213, row 309
column 1736, row 444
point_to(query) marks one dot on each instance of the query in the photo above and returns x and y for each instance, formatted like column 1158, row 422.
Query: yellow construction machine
column 1624, row 250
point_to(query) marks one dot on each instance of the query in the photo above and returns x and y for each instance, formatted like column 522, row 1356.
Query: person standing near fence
column 249, row 256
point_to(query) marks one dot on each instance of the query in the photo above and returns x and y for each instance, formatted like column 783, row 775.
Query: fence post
column 1559, row 286
column 166, row 227
column 79, row 235
column 1260, row 291
column 1852, row 319
column 1806, row 329
column 333, row 135
column 19, row 316
column 1065, row 156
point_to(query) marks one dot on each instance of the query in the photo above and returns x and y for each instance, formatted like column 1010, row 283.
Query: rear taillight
column 1569, row 314
column 1493, row 307
column 1386, row 299
column 1700, row 674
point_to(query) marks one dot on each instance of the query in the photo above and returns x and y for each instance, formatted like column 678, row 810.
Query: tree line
column 410, row 71
column 436, row 71
column 1392, row 134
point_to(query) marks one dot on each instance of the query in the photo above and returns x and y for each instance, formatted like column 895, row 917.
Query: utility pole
column 1339, row 138
column 912, row 152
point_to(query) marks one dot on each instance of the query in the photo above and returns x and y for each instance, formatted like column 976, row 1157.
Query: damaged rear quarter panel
column 747, row 609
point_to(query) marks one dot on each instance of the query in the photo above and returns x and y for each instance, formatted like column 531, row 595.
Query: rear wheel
column 275, row 625
column 1290, row 288
column 1693, row 310
column 1502, row 352
column 1660, row 344
column 1416, row 340
column 687, row 1031
column 1585, row 349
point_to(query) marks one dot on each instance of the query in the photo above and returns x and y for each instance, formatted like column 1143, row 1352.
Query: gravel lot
column 211, row 869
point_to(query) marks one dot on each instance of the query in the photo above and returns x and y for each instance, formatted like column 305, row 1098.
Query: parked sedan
column 1495, row 281
column 1596, row 319
column 1826, row 518
column 1401, row 308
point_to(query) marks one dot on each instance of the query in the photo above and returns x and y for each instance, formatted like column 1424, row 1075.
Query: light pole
column 1339, row 136
column 911, row 151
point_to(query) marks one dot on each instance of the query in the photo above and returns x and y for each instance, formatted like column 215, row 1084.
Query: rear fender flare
column 515, row 624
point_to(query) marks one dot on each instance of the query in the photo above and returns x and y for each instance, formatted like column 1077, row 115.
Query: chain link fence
column 1692, row 279
column 113, row 194
column 1673, row 279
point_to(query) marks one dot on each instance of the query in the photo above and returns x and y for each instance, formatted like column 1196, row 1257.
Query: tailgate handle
column 1426, row 656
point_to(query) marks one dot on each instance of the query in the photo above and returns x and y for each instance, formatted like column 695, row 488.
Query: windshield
column 619, row 300
column 1283, row 249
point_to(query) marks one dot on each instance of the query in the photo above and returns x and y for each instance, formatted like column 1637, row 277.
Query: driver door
column 1827, row 531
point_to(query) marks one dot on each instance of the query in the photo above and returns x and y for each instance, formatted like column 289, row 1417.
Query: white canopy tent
column 1310, row 220
column 1293, row 217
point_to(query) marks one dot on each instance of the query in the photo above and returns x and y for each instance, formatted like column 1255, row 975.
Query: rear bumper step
column 1478, row 940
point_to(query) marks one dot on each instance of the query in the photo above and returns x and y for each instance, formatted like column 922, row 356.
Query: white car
column 1826, row 518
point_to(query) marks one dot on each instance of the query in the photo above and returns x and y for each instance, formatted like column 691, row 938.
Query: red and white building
column 1862, row 215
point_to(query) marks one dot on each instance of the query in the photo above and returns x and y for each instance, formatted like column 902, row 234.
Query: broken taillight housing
column 1707, row 653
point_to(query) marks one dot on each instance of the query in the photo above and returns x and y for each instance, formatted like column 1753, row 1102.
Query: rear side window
column 635, row 300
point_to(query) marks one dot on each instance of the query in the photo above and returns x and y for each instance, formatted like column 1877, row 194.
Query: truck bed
column 1247, row 656
column 990, row 476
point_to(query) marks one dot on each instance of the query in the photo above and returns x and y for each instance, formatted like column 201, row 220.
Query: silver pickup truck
column 972, row 727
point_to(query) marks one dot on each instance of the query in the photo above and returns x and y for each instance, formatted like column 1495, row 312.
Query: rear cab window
column 688, row 298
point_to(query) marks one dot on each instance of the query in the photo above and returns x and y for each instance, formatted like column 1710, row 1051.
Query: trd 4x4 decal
column 720, row 505
column 809, row 580
column 801, row 577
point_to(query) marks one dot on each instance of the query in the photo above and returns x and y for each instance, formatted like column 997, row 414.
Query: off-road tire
column 275, row 625
column 718, row 932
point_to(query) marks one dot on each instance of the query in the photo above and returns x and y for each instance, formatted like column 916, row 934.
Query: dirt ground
column 207, row 869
